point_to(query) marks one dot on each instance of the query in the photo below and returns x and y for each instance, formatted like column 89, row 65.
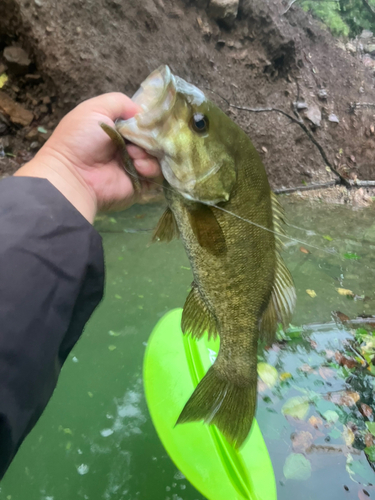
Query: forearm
column 51, row 279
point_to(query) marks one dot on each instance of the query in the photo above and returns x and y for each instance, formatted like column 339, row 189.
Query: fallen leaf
column 306, row 368
column 331, row 416
column 3, row 80
column 313, row 344
column 296, row 407
column 327, row 237
column 315, row 421
column 348, row 436
column 343, row 398
column 351, row 256
column 301, row 441
column 112, row 347
column 329, row 353
column 338, row 315
column 326, row 373
column 345, row 291
column 285, row 376
column 268, row 374
column 344, row 361
column 365, row 410
column 297, row 467
column 369, row 439
column 312, row 293
column 304, row 250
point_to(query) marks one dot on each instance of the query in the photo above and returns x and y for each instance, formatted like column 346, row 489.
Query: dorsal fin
column 283, row 296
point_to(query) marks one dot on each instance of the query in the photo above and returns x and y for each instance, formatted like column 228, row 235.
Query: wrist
column 65, row 177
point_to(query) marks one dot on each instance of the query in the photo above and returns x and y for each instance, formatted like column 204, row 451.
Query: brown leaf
column 304, row 250
column 326, row 373
column 313, row 344
column 343, row 398
column 344, row 361
column 315, row 421
column 369, row 439
column 301, row 441
column 306, row 368
column 365, row 410
column 340, row 316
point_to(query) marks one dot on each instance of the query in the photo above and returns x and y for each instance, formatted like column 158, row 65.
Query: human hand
column 82, row 162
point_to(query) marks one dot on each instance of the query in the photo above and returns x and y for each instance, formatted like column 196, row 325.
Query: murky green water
column 95, row 439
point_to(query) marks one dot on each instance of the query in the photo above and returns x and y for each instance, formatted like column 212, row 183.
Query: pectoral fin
column 207, row 229
column 127, row 162
column 196, row 317
column 167, row 228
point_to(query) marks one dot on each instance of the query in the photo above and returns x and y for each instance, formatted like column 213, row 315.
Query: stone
column 17, row 114
column 33, row 78
column 17, row 59
column 32, row 134
column 224, row 10
column 370, row 48
column 322, row 94
column 350, row 47
column 366, row 34
column 333, row 118
column 43, row 108
column 46, row 100
column 314, row 114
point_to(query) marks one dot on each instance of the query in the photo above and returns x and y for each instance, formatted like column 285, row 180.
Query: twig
column 364, row 183
column 309, row 187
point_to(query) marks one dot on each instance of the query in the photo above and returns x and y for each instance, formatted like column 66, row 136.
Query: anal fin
column 196, row 317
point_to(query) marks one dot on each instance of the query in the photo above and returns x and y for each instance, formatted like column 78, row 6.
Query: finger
column 137, row 153
column 114, row 105
column 148, row 167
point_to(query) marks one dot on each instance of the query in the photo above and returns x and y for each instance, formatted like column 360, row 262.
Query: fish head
column 191, row 137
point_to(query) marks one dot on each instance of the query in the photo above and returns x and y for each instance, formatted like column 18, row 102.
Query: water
column 95, row 439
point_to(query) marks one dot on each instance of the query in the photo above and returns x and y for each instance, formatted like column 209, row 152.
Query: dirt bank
column 82, row 48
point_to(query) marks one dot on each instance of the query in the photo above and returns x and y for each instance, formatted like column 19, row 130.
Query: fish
column 242, row 288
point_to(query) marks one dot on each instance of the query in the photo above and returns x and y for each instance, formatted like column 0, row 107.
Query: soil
column 267, row 59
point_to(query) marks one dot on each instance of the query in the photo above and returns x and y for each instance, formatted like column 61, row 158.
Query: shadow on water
column 95, row 439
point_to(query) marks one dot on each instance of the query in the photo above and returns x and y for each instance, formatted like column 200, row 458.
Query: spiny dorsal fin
column 207, row 229
column 196, row 317
column 167, row 228
column 283, row 297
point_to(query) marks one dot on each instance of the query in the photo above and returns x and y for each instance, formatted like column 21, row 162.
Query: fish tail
column 228, row 404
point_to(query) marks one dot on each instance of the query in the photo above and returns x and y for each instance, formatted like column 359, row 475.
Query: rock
column 366, row 34
column 220, row 44
column 314, row 114
column 350, row 47
column 43, row 108
column 201, row 3
column 17, row 59
column 32, row 135
column 46, row 100
column 370, row 48
column 322, row 94
column 300, row 105
column 16, row 113
column 223, row 10
column 333, row 118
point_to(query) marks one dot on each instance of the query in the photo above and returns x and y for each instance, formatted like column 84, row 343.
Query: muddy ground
column 79, row 49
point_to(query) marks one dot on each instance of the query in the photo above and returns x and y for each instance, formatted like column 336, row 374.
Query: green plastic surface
column 174, row 364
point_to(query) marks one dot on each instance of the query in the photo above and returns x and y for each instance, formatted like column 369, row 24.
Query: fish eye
column 199, row 123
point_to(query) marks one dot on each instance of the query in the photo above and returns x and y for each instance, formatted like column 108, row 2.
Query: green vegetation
column 343, row 17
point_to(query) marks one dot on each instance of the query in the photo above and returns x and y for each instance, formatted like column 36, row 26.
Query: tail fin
column 218, row 401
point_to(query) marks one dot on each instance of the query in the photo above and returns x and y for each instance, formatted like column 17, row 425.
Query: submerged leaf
column 370, row 452
column 331, row 416
column 268, row 374
column 343, row 398
column 297, row 467
column 301, row 441
column 348, row 436
column 285, row 376
column 327, row 237
column 345, row 291
column 351, row 256
column 371, row 427
column 312, row 293
column 297, row 407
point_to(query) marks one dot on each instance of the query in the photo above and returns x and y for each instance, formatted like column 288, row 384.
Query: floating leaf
column 344, row 361
column 312, row 293
column 268, row 374
column 285, row 376
column 315, row 421
column 335, row 434
column 297, row 467
column 371, row 427
column 301, row 441
column 326, row 373
column 117, row 296
column 112, row 347
column 114, row 334
column 327, row 237
column 3, row 80
column 296, row 407
column 331, row 416
column 345, row 291
column 343, row 398
column 366, row 410
column 370, row 452
column 348, row 436
column 304, row 250
column 351, row 256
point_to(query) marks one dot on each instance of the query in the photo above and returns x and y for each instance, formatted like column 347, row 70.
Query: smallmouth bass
column 241, row 287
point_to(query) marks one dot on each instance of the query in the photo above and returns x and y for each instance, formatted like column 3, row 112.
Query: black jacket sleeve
column 51, row 280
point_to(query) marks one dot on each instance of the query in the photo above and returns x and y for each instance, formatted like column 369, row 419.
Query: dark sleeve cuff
column 51, row 280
